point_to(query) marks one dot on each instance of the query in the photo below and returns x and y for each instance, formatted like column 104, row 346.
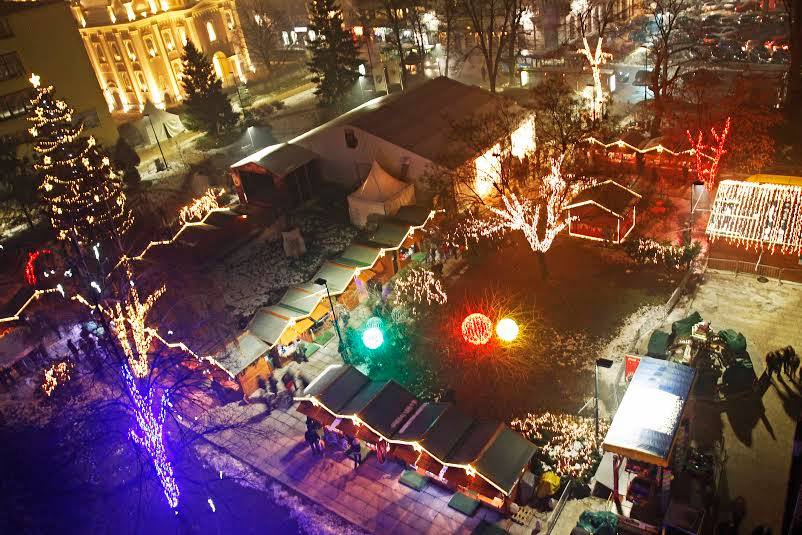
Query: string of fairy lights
column 82, row 192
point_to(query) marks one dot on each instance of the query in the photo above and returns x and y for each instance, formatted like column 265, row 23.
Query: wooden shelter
column 480, row 458
column 278, row 175
column 603, row 212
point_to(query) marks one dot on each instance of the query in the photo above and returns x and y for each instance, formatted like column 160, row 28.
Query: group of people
column 314, row 437
column 781, row 361
column 269, row 386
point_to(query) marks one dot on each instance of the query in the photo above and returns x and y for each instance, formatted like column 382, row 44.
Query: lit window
column 100, row 55
column 150, row 46
column 129, row 47
column 127, row 82
column 116, row 51
column 168, row 40
column 129, row 10
column 210, row 31
column 182, row 34
column 230, row 20
column 143, row 85
column 112, row 16
column 165, row 5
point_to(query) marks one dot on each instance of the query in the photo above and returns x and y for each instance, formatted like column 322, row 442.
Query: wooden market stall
column 482, row 459
column 603, row 212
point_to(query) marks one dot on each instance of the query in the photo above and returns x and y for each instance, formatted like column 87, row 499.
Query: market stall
column 483, row 459
column 603, row 212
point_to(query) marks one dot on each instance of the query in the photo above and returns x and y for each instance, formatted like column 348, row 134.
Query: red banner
column 631, row 364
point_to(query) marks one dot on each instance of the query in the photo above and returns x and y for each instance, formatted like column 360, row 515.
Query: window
column 129, row 47
column 101, row 57
column 15, row 104
column 127, row 81
column 210, row 31
column 167, row 36
column 177, row 68
column 182, row 34
column 10, row 66
column 143, row 84
column 151, row 48
column 115, row 50
column 230, row 20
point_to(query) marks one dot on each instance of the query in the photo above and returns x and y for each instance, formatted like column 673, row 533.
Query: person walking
column 772, row 363
column 313, row 440
column 272, row 385
column 288, row 379
column 266, row 399
column 355, row 451
column 793, row 362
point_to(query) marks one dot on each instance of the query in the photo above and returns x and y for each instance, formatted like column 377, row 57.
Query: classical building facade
column 135, row 46
column 40, row 37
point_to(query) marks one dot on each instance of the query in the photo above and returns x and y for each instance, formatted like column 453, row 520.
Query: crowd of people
column 566, row 443
column 782, row 360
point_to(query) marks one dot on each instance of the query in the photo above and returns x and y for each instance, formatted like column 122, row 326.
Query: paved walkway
column 370, row 496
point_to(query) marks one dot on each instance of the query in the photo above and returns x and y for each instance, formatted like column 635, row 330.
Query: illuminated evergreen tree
column 207, row 107
column 81, row 192
column 335, row 58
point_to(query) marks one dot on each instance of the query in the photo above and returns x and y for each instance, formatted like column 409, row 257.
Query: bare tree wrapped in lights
column 708, row 154
column 128, row 321
column 585, row 12
column 418, row 287
column 82, row 192
column 524, row 214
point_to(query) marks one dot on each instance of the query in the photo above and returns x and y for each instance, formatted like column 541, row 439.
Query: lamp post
column 603, row 363
column 157, row 140
column 646, row 68
column 322, row 282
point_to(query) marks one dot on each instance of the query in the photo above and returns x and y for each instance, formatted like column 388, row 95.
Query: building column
column 168, row 67
column 130, row 72
column 192, row 32
column 144, row 61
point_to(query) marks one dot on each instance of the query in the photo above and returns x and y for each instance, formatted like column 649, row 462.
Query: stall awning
column 646, row 423
column 388, row 235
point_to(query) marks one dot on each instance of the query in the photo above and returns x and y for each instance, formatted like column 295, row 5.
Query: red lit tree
column 709, row 153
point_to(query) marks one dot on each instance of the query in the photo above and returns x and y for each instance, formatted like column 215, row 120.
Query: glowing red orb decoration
column 477, row 329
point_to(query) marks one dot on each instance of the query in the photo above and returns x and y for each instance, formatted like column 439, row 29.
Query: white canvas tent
column 140, row 132
column 380, row 193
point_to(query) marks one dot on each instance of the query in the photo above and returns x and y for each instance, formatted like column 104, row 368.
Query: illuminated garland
column 201, row 207
column 621, row 144
column 56, row 374
column 707, row 171
column 30, row 266
column 128, row 324
column 82, row 192
column 150, row 434
column 524, row 215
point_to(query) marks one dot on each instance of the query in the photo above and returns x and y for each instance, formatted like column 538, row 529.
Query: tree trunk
column 448, row 43
column 544, row 270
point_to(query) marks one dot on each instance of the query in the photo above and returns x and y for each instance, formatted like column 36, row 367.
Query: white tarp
column 140, row 132
column 380, row 193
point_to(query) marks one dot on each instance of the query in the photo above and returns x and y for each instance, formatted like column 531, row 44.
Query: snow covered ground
column 259, row 273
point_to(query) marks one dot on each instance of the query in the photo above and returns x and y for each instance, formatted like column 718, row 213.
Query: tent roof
column 474, row 442
column 387, row 234
column 279, row 160
column 505, row 458
column 446, row 432
column 413, row 216
column 436, row 105
column 337, row 277
column 417, row 426
column 302, row 299
column 359, row 255
column 389, row 408
column 379, row 185
column 240, row 353
column 758, row 214
column 609, row 195
column 269, row 323
column 646, row 423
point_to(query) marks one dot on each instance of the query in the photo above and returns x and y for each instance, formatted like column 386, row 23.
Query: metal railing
column 558, row 509
column 779, row 274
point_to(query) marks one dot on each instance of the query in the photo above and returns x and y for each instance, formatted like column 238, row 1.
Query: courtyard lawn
column 566, row 319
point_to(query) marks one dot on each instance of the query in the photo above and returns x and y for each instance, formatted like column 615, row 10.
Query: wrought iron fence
column 752, row 268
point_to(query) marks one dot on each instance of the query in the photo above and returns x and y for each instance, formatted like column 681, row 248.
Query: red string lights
column 477, row 329
column 30, row 266
column 708, row 156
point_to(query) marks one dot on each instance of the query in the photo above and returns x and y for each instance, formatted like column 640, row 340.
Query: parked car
column 710, row 39
column 780, row 56
column 758, row 54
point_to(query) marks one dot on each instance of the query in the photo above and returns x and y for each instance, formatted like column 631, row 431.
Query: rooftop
column 609, row 195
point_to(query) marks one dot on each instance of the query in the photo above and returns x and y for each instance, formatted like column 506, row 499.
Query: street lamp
column 322, row 282
column 157, row 139
column 603, row 363
column 646, row 69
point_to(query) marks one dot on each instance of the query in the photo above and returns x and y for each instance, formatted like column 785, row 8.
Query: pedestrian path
column 370, row 496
